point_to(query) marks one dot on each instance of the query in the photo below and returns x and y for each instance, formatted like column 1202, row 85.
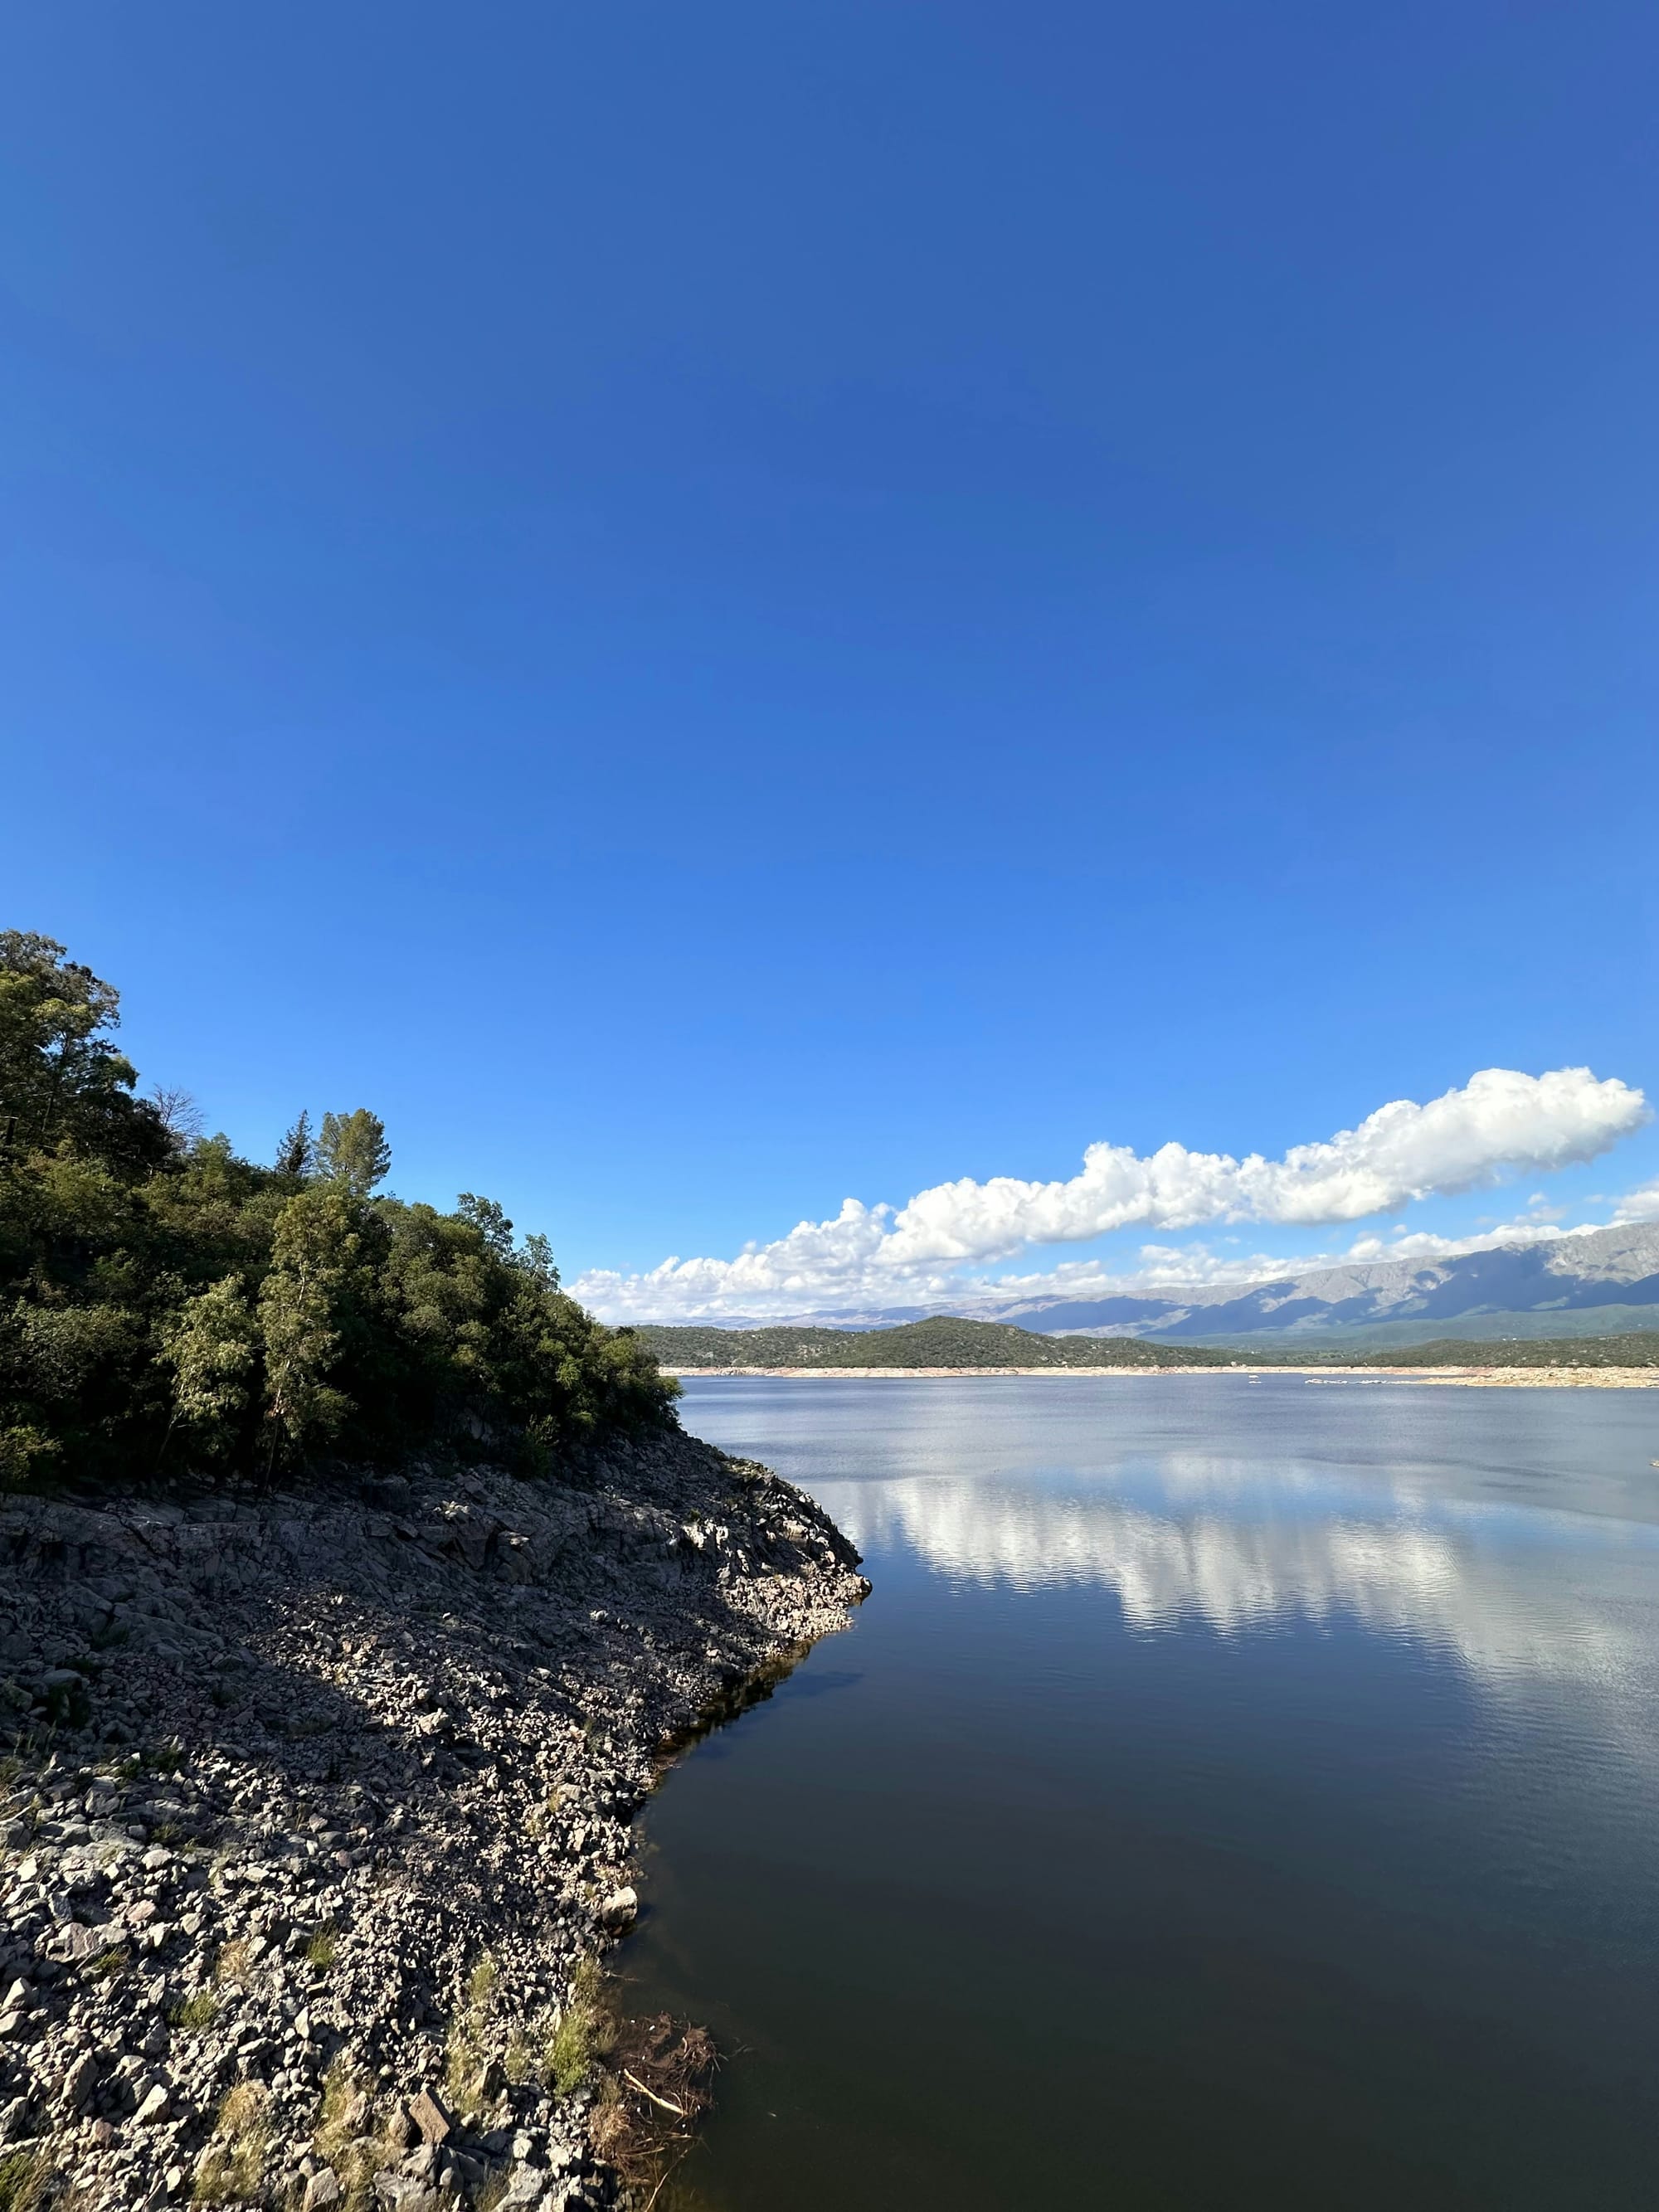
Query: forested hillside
column 943, row 1341
column 1638, row 1349
column 946, row 1342
column 167, row 1306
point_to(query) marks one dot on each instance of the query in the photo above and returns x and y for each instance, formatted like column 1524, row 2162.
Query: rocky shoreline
column 316, row 1820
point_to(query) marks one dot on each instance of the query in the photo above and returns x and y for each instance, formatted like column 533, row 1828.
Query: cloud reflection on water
column 1186, row 1541
column 1513, row 1532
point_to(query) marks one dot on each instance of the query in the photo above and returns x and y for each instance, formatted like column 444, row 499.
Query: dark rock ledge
column 316, row 1816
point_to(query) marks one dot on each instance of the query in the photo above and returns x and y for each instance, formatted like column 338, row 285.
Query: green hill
column 941, row 1342
column 1640, row 1349
column 947, row 1342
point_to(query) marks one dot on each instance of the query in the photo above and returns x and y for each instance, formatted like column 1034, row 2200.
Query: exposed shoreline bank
column 318, row 1818
column 1501, row 1379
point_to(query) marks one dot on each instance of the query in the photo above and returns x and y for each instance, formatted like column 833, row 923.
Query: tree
column 213, row 1347
column 164, row 1301
column 352, row 1151
column 296, row 1154
column 61, row 1079
column 535, row 1257
column 487, row 1219
column 179, row 1114
column 314, row 1255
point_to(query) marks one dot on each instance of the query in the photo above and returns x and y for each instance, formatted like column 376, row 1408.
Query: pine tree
column 296, row 1154
column 352, row 1151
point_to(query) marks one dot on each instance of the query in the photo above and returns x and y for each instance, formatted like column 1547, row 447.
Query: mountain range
column 1591, row 1282
column 1601, row 1279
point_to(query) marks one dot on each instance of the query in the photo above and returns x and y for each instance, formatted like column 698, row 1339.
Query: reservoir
column 1233, row 1794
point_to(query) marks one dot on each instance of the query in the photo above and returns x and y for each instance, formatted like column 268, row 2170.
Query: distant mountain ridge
column 1597, row 1282
column 1608, row 1279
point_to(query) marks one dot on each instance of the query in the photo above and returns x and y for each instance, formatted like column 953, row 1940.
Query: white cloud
column 1500, row 1122
column 1641, row 1204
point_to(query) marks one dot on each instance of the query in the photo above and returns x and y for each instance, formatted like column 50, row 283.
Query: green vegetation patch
column 1639, row 1350
column 166, row 1304
column 946, row 1343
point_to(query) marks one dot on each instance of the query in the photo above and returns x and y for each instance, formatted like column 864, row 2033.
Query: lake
column 1233, row 1794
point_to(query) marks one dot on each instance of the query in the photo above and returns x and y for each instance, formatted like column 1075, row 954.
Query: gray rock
column 80, row 2082
column 365, row 1875
column 397, row 2192
column 157, row 2105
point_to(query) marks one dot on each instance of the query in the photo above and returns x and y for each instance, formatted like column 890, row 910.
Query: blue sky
column 718, row 610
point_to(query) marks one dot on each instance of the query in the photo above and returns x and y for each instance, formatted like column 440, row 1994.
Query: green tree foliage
column 352, row 1151
column 297, row 1153
column 166, row 1305
column 318, row 1277
column 61, row 1079
column 487, row 1219
column 213, row 1344
column 535, row 1256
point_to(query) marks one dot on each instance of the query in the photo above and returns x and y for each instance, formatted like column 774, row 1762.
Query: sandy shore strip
column 1478, row 1378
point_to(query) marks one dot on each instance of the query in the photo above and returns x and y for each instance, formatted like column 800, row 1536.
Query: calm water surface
column 1234, row 1794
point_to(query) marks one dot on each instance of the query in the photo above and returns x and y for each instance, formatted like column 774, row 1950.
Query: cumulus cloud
column 1641, row 1204
column 1501, row 1122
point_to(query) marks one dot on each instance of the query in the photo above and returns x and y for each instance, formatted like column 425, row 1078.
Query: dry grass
column 465, row 2054
column 233, row 2165
column 23, row 2177
column 232, row 1963
column 346, row 2145
column 322, row 1948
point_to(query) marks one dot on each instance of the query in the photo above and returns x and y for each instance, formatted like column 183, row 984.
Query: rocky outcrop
column 318, row 1815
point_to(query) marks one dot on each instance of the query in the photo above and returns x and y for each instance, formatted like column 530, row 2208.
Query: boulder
column 430, row 2117
column 80, row 2082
